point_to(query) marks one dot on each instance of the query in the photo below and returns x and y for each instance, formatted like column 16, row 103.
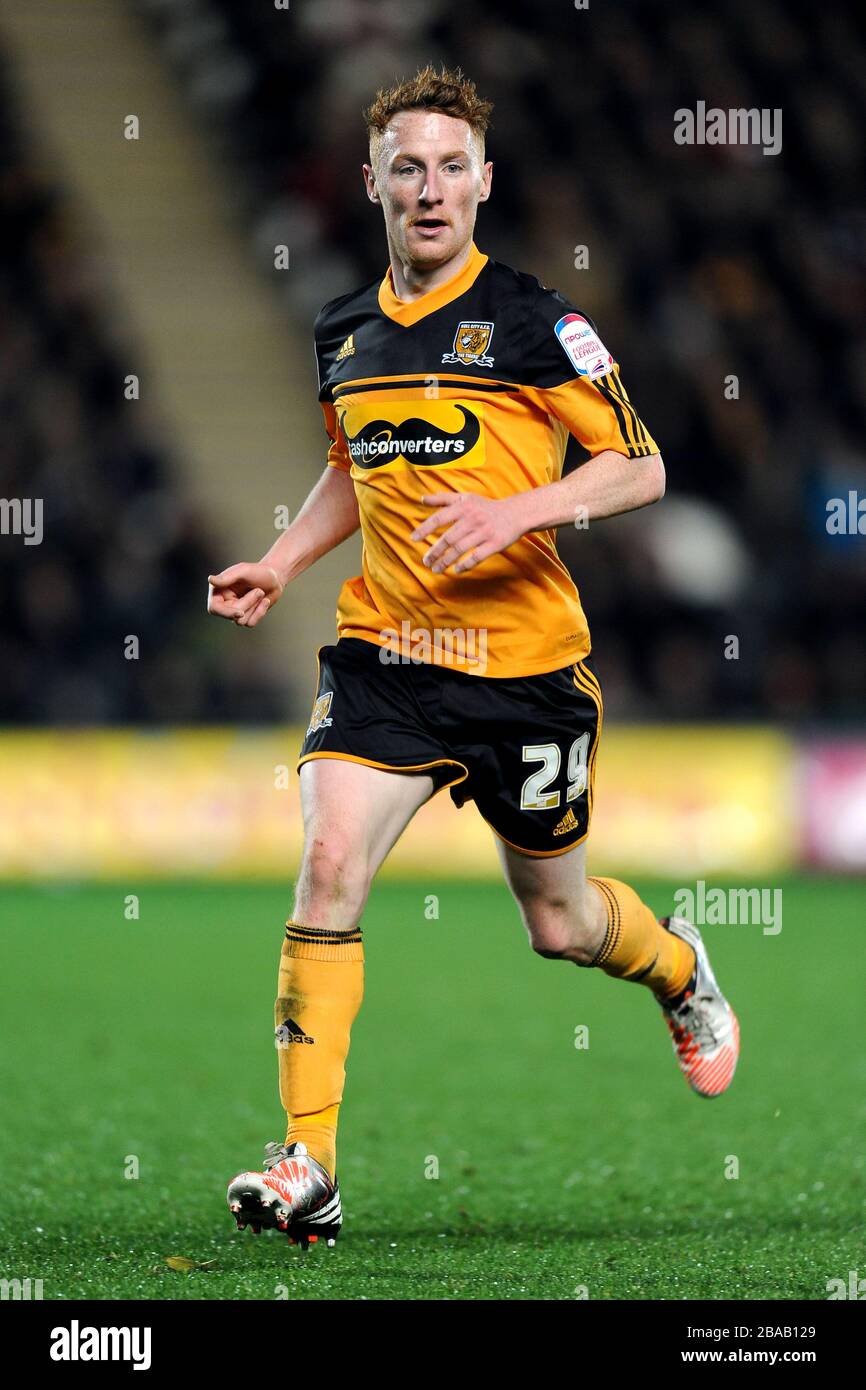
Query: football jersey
column 472, row 387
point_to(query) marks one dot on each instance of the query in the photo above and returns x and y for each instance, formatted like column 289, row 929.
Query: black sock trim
column 614, row 924
column 321, row 934
column 642, row 974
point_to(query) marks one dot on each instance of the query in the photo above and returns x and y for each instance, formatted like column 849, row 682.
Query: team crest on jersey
column 319, row 718
column 583, row 347
column 471, row 342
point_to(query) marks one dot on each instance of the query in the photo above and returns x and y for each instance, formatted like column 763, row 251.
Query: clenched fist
column 244, row 593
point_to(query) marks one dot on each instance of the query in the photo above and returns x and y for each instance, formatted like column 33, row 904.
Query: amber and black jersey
column 473, row 387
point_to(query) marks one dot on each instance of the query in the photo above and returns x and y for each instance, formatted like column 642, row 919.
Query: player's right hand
column 243, row 593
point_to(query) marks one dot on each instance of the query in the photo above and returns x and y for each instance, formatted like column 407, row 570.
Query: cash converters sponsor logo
column 414, row 442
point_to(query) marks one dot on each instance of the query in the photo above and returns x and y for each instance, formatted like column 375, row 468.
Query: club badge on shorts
column 471, row 342
column 319, row 718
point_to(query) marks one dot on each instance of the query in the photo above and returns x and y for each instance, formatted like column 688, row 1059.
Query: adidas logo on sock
column 568, row 822
column 290, row 1032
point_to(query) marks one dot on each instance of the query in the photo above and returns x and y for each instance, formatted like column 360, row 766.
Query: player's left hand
column 478, row 527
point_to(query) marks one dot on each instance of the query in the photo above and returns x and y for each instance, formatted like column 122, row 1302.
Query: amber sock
column 637, row 947
column 319, row 992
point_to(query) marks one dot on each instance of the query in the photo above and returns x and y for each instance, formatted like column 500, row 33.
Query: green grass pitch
column 559, row 1169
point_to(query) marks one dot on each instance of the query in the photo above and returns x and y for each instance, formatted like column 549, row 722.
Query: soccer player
column 449, row 388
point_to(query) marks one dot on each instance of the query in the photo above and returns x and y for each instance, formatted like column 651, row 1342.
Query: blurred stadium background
column 158, row 393
column 153, row 258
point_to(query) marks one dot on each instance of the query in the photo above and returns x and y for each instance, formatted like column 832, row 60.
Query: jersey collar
column 407, row 312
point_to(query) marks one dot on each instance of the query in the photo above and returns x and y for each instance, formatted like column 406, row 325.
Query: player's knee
column 558, row 929
column 334, row 876
column 548, row 923
column 563, row 946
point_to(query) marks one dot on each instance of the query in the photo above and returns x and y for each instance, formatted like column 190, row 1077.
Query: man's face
column 429, row 175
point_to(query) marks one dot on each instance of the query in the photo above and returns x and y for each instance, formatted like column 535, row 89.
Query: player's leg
column 353, row 815
column 369, row 759
column 564, row 917
column 536, row 761
column 594, row 921
column 602, row 922
column 535, row 789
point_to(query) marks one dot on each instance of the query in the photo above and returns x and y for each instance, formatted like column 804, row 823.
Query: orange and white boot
column 703, row 1026
column 293, row 1193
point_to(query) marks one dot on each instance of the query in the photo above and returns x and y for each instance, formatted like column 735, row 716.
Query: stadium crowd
column 730, row 284
column 121, row 553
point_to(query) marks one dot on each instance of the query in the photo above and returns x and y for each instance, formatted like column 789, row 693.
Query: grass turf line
column 559, row 1169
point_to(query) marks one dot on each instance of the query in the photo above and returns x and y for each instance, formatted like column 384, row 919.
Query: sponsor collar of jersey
column 407, row 312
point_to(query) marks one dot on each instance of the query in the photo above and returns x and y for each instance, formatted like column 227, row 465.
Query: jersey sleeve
column 338, row 453
column 574, row 378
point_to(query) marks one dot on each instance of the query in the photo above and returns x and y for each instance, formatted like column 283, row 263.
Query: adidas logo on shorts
column 568, row 822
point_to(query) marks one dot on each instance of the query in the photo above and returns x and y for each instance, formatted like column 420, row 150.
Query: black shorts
column 523, row 749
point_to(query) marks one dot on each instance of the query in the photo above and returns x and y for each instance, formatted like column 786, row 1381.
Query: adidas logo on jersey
column 347, row 350
column 568, row 822
column 290, row 1032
